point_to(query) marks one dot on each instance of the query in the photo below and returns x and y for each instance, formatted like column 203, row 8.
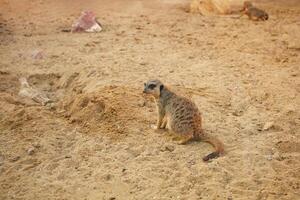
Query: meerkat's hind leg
column 164, row 123
column 159, row 122
column 186, row 139
column 254, row 18
column 241, row 15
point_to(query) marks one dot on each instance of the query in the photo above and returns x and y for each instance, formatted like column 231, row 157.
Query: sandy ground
column 95, row 140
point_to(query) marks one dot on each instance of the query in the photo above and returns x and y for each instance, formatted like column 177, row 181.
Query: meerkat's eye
column 151, row 86
column 145, row 84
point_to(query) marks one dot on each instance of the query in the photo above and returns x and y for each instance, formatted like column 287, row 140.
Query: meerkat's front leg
column 159, row 121
column 161, row 115
column 242, row 13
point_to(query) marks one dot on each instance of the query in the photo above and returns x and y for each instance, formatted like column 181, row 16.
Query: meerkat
column 254, row 13
column 181, row 115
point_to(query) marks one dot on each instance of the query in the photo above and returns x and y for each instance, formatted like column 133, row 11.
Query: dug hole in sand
column 94, row 139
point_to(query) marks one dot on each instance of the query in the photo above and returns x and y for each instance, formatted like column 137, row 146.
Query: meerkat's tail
column 266, row 16
column 218, row 145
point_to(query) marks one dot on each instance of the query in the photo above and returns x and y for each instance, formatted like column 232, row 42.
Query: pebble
column 14, row 159
column 169, row 148
column 268, row 126
column 36, row 145
column 37, row 54
column 269, row 157
column 31, row 151
column 108, row 177
column 192, row 162
column 153, row 126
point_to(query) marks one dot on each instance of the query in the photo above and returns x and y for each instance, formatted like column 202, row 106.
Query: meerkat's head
column 247, row 4
column 153, row 87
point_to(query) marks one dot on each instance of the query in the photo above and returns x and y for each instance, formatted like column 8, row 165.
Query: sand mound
column 208, row 7
column 9, row 83
column 288, row 147
column 109, row 110
column 9, row 88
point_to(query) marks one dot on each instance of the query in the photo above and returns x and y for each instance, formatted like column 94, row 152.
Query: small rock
column 66, row 30
column 27, row 35
column 36, row 145
column 169, row 148
column 269, row 157
column 191, row 162
column 108, row 177
column 87, row 22
column 50, row 106
column 268, row 126
column 153, row 126
column 112, row 198
column 294, row 74
column 31, row 151
column 37, row 54
column 14, row 159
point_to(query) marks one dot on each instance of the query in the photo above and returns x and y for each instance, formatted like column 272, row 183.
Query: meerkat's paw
column 182, row 142
column 153, row 126
column 156, row 129
column 178, row 140
column 185, row 140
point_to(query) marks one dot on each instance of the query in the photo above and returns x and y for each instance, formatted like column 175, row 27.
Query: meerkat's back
column 183, row 115
column 257, row 14
column 254, row 13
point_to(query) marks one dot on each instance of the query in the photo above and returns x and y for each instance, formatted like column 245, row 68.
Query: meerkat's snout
column 153, row 87
column 149, row 88
column 144, row 91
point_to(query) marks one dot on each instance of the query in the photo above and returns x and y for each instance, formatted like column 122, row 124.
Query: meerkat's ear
column 161, row 87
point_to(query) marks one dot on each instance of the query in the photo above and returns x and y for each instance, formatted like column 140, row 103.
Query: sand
column 95, row 141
